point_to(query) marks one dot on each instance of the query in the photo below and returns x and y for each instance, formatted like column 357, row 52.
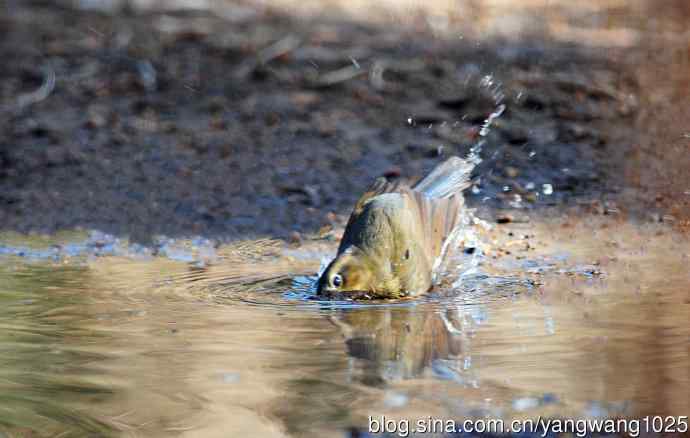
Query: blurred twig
column 381, row 65
column 47, row 87
column 340, row 75
column 268, row 54
column 278, row 49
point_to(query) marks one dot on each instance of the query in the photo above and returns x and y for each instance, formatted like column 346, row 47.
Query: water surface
column 578, row 319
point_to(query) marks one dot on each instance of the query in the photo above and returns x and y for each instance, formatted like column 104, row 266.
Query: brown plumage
column 396, row 235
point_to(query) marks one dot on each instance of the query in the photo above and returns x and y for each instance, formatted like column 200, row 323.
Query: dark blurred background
column 228, row 119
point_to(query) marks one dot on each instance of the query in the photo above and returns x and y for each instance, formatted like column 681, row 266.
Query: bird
column 398, row 235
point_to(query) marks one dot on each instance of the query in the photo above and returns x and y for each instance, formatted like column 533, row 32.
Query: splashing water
column 484, row 131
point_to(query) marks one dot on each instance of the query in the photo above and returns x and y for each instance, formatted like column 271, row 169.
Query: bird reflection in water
column 399, row 343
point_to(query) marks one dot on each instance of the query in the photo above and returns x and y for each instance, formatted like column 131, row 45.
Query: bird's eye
column 337, row 280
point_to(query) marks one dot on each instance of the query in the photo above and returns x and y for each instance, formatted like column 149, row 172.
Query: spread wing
column 439, row 219
column 447, row 179
column 440, row 204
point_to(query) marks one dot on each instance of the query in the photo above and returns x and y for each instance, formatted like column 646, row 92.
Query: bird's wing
column 438, row 219
column 447, row 179
column 440, row 204
column 379, row 187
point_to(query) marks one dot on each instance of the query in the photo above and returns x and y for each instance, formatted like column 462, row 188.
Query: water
column 588, row 321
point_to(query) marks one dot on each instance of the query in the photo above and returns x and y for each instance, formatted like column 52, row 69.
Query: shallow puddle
column 578, row 319
column 142, row 123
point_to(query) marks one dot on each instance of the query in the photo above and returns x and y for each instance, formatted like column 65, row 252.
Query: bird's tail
column 448, row 178
column 441, row 207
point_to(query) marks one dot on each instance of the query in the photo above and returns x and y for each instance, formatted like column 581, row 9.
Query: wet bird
column 398, row 235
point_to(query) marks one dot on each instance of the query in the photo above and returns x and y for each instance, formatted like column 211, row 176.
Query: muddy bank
column 657, row 168
column 185, row 123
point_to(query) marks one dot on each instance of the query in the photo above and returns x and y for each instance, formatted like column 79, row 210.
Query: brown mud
column 184, row 123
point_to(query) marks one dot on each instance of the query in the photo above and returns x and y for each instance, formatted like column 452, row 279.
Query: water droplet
column 230, row 377
column 395, row 399
column 516, row 202
column 525, row 403
column 487, row 123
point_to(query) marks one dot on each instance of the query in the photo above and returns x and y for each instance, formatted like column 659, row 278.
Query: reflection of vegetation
column 42, row 368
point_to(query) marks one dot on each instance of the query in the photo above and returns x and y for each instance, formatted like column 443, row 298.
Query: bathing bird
column 398, row 235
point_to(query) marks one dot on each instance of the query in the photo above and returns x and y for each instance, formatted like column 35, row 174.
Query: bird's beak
column 322, row 287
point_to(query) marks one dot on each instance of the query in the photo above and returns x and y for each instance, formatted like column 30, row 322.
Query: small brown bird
column 397, row 235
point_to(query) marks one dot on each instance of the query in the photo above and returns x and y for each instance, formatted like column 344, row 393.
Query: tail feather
column 440, row 206
column 448, row 178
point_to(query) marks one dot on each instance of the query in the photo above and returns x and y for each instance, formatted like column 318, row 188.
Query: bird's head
column 351, row 274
